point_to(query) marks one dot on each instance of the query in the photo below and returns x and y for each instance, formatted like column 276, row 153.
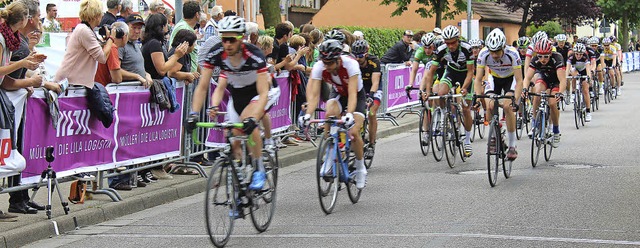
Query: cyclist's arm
column 528, row 77
column 262, row 85
column 562, row 79
column 527, row 62
column 313, row 92
column 517, row 74
column 218, row 93
column 467, row 80
column 352, row 101
column 414, row 72
column 200, row 93
column 615, row 60
column 427, row 80
column 375, row 81
column 477, row 85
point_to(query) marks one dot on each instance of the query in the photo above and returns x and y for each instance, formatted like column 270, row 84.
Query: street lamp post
column 468, row 20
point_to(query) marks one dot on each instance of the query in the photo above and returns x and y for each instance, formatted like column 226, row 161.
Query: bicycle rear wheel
column 437, row 137
column 450, row 140
column 537, row 140
column 263, row 202
column 479, row 124
column 368, row 149
column 424, row 131
column 221, row 203
column 459, row 137
column 327, row 175
column 493, row 154
column 352, row 190
column 576, row 111
column 520, row 119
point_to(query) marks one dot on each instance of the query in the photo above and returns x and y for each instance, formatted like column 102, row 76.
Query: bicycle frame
column 336, row 129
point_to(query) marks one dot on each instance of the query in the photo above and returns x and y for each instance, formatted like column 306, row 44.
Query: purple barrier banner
column 140, row 132
column 79, row 141
column 145, row 130
column 397, row 80
column 215, row 137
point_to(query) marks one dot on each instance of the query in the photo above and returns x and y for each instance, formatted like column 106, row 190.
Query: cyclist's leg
column 508, row 87
column 555, row 113
column 255, row 144
column 373, row 120
column 273, row 95
column 574, row 73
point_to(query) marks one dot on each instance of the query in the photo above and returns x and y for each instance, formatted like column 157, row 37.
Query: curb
column 93, row 215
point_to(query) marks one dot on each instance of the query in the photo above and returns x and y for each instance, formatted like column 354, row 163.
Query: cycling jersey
column 579, row 64
column 241, row 79
column 372, row 65
column 456, row 60
column 547, row 73
column 503, row 67
column 421, row 57
column 609, row 52
column 564, row 50
column 340, row 82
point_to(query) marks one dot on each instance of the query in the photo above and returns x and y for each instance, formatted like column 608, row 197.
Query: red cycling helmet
column 543, row 46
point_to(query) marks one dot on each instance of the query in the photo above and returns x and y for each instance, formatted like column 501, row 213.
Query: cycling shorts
column 500, row 86
column 549, row 81
column 361, row 106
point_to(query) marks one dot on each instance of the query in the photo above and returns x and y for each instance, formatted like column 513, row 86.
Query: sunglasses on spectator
column 544, row 56
column 360, row 55
column 328, row 62
column 232, row 39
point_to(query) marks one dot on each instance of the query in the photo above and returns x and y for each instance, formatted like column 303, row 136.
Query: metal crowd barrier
column 395, row 77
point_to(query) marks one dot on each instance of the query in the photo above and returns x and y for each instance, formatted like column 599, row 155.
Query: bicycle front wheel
column 327, row 175
column 263, row 202
column 221, row 203
column 369, row 151
column 437, row 135
column 493, row 153
column 548, row 141
column 424, row 133
column 537, row 140
column 450, row 141
column 576, row 112
column 352, row 190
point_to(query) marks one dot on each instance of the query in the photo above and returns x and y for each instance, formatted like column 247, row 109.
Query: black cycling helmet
column 360, row 47
column 330, row 49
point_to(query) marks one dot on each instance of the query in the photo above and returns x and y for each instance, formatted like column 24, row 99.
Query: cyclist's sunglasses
column 544, row 56
column 232, row 39
column 451, row 42
column 329, row 62
column 580, row 54
column 359, row 56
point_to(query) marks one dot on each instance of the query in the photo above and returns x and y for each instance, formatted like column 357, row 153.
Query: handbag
column 11, row 161
column 100, row 104
column 78, row 192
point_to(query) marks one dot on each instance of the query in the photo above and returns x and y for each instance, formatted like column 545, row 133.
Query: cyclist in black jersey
column 550, row 72
column 594, row 45
column 459, row 69
column 370, row 71
column 244, row 73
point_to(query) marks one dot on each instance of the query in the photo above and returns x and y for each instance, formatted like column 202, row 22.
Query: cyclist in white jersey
column 505, row 78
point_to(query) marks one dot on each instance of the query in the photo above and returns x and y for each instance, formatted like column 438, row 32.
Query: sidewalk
column 31, row 228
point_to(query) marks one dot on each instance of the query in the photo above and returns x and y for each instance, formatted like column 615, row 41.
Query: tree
column 552, row 28
column 538, row 12
column 270, row 12
column 439, row 8
column 627, row 12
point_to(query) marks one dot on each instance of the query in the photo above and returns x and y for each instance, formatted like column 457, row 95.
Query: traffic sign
column 605, row 30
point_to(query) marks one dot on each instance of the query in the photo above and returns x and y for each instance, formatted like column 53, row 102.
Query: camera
column 49, row 154
column 102, row 31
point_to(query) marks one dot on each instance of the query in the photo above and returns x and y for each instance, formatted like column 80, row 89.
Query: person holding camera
column 84, row 47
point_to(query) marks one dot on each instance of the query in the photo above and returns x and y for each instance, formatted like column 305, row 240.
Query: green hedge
column 380, row 39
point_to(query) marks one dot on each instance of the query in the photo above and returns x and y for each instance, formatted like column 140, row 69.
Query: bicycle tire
column 219, row 178
column 536, row 142
column 424, row 131
column 437, row 141
column 520, row 117
column 460, row 140
column 576, row 111
column 481, row 126
column 327, row 182
column 353, row 192
column 263, row 202
column 368, row 160
column 493, row 156
column 450, row 140
column 548, row 148
column 583, row 111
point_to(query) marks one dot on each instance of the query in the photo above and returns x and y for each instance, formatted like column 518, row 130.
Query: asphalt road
column 586, row 196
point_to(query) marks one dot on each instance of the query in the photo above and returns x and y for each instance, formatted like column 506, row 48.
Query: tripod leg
column 65, row 204
column 35, row 189
column 49, row 189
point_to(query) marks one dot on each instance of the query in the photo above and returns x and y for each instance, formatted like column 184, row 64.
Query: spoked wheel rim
column 263, row 202
column 450, row 142
column 536, row 143
column 353, row 192
column 423, row 132
column 437, row 141
column 548, row 148
column 492, row 156
column 328, row 180
column 220, row 204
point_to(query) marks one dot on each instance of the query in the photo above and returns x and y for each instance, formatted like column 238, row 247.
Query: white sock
column 360, row 165
column 260, row 164
column 467, row 137
column 512, row 139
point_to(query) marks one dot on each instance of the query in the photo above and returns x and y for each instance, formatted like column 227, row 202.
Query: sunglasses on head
column 232, row 39
column 544, row 56
column 360, row 55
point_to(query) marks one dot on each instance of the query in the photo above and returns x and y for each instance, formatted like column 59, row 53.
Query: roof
column 494, row 12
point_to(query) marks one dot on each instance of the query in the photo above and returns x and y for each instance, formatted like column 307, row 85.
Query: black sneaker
column 150, row 177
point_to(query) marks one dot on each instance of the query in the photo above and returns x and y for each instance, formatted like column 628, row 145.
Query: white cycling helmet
column 606, row 41
column 475, row 42
column 427, row 39
column 594, row 41
column 232, row 24
column 540, row 35
column 496, row 40
column 437, row 31
column 450, row 32
column 579, row 48
column 561, row 37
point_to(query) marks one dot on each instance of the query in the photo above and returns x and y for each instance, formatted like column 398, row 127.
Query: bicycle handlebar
column 542, row 95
